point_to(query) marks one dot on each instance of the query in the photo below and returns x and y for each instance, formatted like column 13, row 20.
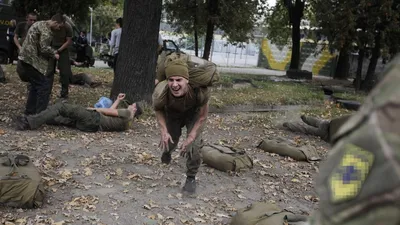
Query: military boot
column 166, row 157
column 190, row 185
column 64, row 92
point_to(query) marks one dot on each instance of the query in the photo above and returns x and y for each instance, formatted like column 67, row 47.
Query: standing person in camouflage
column 324, row 129
column 62, row 39
column 84, row 119
column 359, row 184
column 183, row 106
column 33, row 64
column 22, row 29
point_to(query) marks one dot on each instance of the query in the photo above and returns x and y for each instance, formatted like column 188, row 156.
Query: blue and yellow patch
column 348, row 177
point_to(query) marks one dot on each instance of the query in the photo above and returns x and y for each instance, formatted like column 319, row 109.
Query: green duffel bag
column 20, row 182
column 226, row 158
column 264, row 213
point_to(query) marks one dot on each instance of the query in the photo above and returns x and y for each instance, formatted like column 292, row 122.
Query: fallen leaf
column 199, row 220
column 119, row 172
column 88, row 171
column 241, row 197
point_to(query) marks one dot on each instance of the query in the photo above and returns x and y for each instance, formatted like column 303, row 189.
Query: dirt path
column 117, row 178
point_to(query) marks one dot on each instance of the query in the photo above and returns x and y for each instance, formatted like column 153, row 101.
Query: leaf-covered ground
column 117, row 178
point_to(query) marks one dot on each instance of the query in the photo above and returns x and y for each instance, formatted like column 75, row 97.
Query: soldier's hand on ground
column 121, row 96
column 165, row 138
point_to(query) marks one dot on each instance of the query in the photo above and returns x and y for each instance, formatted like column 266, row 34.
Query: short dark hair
column 31, row 14
column 58, row 18
column 119, row 21
column 139, row 110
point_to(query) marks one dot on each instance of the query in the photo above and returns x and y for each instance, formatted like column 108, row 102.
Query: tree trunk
column 342, row 67
column 360, row 61
column 135, row 69
column 212, row 15
column 371, row 79
column 296, row 13
column 196, row 34
column 295, row 59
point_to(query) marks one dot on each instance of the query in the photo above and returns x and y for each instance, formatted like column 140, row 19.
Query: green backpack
column 20, row 182
column 264, row 213
column 226, row 158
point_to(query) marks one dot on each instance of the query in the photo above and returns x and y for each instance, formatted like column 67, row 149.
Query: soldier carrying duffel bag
column 20, row 182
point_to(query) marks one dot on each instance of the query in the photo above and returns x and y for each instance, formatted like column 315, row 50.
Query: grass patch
column 266, row 92
column 327, row 111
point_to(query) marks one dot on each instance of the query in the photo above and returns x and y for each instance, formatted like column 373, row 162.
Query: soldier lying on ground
column 83, row 79
column 84, row 119
column 324, row 129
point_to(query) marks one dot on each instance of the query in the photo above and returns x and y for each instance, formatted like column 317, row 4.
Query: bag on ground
column 264, row 213
column 226, row 158
column 20, row 182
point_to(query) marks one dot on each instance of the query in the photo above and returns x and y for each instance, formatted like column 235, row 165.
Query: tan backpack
column 226, row 158
column 202, row 73
column 20, row 182
column 264, row 213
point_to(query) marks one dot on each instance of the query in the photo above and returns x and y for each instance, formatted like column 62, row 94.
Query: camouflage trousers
column 312, row 126
column 67, row 114
column 175, row 123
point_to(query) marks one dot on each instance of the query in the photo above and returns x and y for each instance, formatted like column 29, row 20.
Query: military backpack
column 20, row 182
column 202, row 73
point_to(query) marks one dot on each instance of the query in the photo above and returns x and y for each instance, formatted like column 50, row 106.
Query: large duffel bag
column 20, row 182
column 264, row 213
column 226, row 158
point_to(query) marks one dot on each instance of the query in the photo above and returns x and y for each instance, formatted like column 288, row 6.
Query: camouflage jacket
column 359, row 184
column 36, row 49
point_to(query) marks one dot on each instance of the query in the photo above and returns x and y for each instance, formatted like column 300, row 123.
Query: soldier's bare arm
column 165, row 136
column 65, row 45
column 120, row 97
column 107, row 111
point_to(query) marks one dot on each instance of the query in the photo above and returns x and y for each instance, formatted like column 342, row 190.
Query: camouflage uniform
column 34, row 65
column 324, row 129
column 359, row 184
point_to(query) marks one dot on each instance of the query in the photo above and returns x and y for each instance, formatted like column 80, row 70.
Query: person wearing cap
column 84, row 119
column 184, row 106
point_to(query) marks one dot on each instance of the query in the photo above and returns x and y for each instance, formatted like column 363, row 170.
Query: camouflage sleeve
column 45, row 42
column 359, row 183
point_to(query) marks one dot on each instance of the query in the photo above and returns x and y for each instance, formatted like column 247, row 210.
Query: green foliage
column 181, row 13
column 277, row 25
column 236, row 18
column 77, row 9
column 104, row 17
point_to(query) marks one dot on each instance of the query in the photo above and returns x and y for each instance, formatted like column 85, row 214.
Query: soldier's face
column 31, row 19
column 55, row 25
column 178, row 85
